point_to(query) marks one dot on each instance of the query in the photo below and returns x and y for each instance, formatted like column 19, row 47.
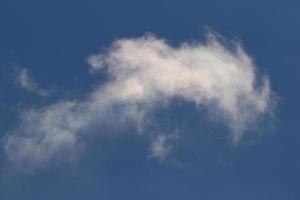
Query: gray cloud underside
column 144, row 72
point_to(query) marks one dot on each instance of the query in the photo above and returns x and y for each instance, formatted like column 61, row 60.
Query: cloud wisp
column 162, row 145
column 144, row 73
column 25, row 81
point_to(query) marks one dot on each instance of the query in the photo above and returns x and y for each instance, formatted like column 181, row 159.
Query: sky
column 136, row 99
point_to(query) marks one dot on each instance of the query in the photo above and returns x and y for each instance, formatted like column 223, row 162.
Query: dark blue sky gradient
column 53, row 39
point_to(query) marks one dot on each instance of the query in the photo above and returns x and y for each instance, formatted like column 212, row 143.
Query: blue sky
column 149, row 100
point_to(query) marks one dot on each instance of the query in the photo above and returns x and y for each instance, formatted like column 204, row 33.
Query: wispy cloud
column 25, row 81
column 162, row 145
column 144, row 72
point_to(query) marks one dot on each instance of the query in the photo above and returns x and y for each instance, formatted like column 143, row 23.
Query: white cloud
column 145, row 72
column 28, row 83
column 161, row 145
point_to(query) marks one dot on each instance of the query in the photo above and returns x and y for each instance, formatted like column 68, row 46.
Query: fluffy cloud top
column 143, row 73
